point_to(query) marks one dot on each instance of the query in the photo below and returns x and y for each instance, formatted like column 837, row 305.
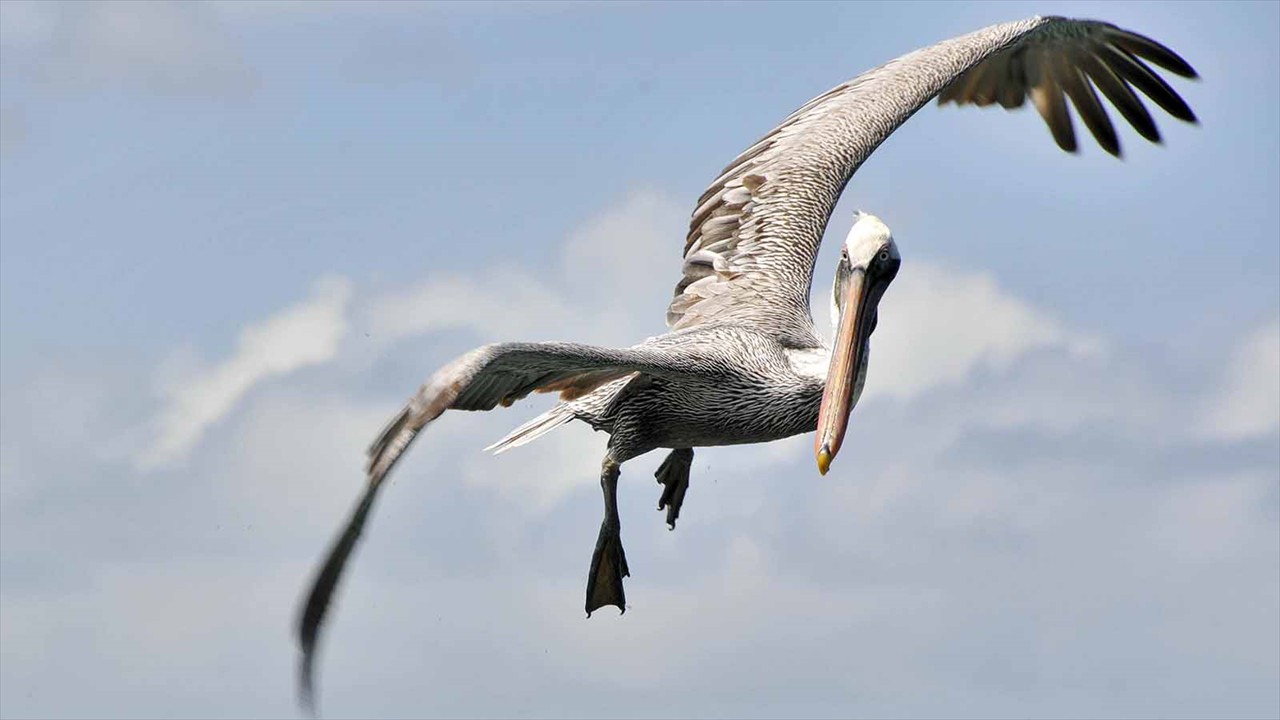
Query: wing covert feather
column 754, row 234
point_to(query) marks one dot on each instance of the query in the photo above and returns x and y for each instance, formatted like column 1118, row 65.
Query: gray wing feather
column 502, row 373
column 755, row 232
column 482, row 379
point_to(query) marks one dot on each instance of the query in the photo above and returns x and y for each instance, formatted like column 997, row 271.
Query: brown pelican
column 743, row 362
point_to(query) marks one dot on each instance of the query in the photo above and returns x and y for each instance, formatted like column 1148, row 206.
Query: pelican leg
column 608, row 562
column 673, row 475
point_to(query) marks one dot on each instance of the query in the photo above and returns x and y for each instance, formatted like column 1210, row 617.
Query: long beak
column 846, row 358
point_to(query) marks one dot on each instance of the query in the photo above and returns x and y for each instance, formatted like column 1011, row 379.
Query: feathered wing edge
column 1073, row 60
column 479, row 380
column 755, row 232
column 394, row 439
column 534, row 429
column 321, row 593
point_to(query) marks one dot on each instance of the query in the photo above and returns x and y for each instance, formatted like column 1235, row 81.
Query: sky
column 234, row 237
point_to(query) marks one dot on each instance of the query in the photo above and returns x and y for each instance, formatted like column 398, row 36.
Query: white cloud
column 1247, row 402
column 133, row 624
column 543, row 473
column 1016, row 529
column 628, row 253
column 311, row 445
column 938, row 325
column 501, row 305
column 1201, row 522
column 306, row 334
column 616, row 274
column 971, row 539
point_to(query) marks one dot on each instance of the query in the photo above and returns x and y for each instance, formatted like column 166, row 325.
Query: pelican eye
column 884, row 256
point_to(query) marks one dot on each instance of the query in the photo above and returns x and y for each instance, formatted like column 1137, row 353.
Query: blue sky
column 235, row 236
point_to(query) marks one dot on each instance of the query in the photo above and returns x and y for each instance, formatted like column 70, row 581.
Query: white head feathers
column 868, row 236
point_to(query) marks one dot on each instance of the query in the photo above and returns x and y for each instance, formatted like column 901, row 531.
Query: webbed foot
column 673, row 475
column 608, row 567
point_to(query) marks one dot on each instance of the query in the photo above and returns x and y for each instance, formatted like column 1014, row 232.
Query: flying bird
column 743, row 362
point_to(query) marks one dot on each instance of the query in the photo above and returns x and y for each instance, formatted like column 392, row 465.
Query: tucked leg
column 608, row 562
column 673, row 475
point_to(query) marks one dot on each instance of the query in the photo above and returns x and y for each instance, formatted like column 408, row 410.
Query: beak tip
column 824, row 460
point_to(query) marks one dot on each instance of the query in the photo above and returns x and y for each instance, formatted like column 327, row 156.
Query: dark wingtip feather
column 1158, row 53
column 313, row 613
column 306, row 688
column 1054, row 110
column 1112, row 146
column 1136, row 72
column 1186, row 114
column 1088, row 107
column 1120, row 95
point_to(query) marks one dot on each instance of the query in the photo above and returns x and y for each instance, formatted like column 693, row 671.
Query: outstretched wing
column 755, row 234
column 480, row 380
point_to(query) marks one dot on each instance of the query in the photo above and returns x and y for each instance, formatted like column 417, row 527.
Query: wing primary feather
column 383, row 454
column 1121, row 96
column 318, row 600
column 986, row 83
column 1047, row 97
column 1091, row 111
column 952, row 93
column 1132, row 69
column 1013, row 90
column 962, row 91
column 1148, row 49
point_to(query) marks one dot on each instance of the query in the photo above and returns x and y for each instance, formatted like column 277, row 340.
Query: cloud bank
column 1248, row 402
column 1023, row 521
column 306, row 334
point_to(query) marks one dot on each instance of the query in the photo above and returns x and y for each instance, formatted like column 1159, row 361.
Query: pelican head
column 869, row 261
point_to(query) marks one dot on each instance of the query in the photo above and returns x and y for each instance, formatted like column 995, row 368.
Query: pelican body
column 743, row 362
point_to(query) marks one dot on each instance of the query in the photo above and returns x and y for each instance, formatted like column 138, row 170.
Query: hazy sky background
column 236, row 236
